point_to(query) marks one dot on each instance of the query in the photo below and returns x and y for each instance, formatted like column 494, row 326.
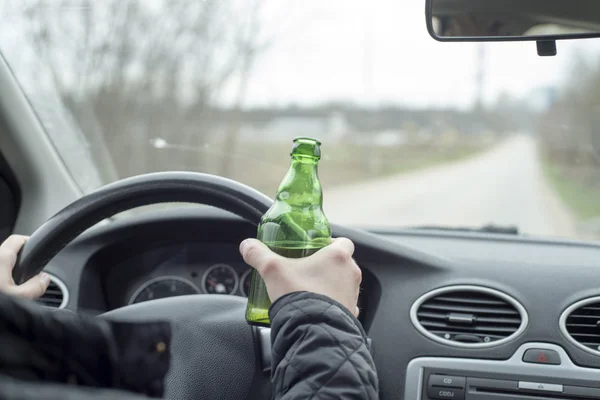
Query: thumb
column 258, row 255
column 34, row 287
column 340, row 250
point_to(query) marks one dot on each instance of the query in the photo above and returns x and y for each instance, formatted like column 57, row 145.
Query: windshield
column 414, row 132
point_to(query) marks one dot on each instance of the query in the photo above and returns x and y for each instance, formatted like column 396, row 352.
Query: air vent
column 56, row 295
column 580, row 323
column 468, row 316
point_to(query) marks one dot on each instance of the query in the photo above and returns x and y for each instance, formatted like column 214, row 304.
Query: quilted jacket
column 319, row 350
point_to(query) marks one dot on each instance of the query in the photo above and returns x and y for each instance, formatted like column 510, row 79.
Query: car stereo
column 537, row 371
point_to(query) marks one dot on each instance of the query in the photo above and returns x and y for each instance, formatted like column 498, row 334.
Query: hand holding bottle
column 295, row 226
column 330, row 271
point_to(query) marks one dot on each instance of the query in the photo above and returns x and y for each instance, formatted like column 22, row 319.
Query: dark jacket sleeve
column 319, row 350
column 39, row 345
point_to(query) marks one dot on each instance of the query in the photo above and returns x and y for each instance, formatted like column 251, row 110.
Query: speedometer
column 164, row 286
column 220, row 279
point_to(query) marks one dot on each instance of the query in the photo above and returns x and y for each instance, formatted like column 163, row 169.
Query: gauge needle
column 211, row 282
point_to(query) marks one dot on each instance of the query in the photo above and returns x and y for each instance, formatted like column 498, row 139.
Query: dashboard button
column 545, row 387
column 447, row 381
column 541, row 356
column 437, row 392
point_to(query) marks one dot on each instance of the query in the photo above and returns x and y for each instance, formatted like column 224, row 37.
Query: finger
column 339, row 251
column 34, row 287
column 342, row 243
column 14, row 243
column 356, row 311
column 258, row 255
column 9, row 250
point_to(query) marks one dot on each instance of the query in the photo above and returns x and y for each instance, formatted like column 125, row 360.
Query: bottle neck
column 301, row 185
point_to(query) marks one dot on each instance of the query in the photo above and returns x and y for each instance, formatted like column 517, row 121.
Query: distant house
column 286, row 128
column 384, row 138
column 338, row 126
column 390, row 138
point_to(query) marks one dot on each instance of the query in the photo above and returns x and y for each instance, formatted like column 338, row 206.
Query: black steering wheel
column 215, row 354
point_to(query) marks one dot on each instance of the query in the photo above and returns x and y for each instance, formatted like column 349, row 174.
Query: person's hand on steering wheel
column 34, row 287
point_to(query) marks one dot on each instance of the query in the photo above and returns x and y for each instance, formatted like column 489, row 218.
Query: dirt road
column 504, row 185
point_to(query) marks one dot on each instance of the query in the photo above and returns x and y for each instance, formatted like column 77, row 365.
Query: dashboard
column 449, row 315
column 173, row 269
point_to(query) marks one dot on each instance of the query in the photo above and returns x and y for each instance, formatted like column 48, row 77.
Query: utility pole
column 367, row 70
column 368, row 54
column 480, row 77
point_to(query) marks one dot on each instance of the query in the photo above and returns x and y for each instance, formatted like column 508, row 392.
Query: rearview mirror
column 507, row 20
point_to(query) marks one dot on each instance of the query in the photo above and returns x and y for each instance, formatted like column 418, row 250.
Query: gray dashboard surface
column 501, row 248
column 544, row 276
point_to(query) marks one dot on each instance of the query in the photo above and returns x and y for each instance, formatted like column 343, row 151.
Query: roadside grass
column 583, row 201
column 266, row 164
column 262, row 166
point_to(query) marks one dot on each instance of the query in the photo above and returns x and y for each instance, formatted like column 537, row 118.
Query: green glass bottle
column 295, row 226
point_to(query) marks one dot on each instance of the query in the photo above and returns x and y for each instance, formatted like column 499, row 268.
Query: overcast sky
column 324, row 59
column 379, row 51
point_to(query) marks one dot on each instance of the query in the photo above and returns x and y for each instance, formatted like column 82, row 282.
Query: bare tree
column 146, row 69
column 249, row 49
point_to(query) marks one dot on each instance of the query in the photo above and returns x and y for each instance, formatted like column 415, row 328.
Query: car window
column 415, row 132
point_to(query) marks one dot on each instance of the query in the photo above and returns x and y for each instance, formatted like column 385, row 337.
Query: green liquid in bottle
column 295, row 226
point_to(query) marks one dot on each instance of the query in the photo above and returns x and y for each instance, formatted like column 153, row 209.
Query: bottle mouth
column 306, row 147
column 307, row 139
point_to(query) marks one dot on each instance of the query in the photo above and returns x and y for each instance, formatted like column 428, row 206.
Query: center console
column 537, row 371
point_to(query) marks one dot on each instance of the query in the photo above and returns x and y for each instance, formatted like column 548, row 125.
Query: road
column 504, row 185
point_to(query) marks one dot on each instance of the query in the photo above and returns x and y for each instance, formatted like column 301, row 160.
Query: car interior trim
column 63, row 288
column 512, row 367
column 482, row 289
column 264, row 341
column 45, row 182
column 563, row 323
